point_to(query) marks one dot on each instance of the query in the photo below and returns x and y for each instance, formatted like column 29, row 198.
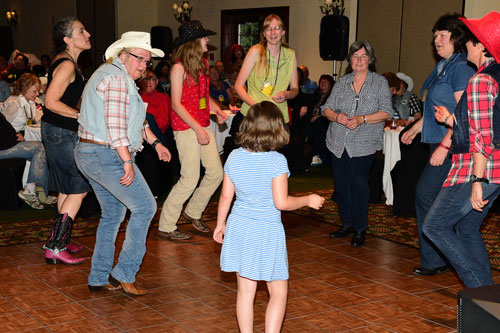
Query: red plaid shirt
column 482, row 92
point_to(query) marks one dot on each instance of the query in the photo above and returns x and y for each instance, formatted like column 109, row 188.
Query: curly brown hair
column 263, row 128
column 25, row 82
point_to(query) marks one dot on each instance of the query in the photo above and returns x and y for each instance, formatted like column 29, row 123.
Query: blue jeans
column 429, row 184
column 351, row 177
column 103, row 167
column 32, row 151
column 453, row 226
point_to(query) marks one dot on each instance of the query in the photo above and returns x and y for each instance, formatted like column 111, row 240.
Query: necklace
column 74, row 63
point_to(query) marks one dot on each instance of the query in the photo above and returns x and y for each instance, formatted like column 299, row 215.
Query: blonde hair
column 191, row 57
column 25, row 82
column 263, row 41
column 263, row 128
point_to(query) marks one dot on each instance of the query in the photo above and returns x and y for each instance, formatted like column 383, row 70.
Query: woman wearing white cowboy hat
column 195, row 141
column 473, row 181
column 112, row 129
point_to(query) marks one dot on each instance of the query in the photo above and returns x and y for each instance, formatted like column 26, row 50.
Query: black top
column 71, row 97
column 8, row 137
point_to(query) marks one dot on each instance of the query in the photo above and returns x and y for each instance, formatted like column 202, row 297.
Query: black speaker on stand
column 334, row 39
column 161, row 38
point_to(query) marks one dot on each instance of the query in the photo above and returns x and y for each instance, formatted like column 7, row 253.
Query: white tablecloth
column 221, row 131
column 31, row 133
column 392, row 154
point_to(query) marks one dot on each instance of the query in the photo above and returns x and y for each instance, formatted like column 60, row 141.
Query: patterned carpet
column 381, row 224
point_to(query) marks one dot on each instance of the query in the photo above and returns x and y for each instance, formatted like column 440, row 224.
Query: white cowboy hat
column 133, row 40
column 407, row 79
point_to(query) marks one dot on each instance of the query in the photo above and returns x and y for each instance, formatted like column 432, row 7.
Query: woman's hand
column 163, row 153
column 408, row 136
column 202, row 137
column 354, row 122
column 128, row 175
column 442, row 114
column 20, row 137
column 221, row 116
column 280, row 97
column 476, row 197
column 342, row 119
column 438, row 156
column 219, row 234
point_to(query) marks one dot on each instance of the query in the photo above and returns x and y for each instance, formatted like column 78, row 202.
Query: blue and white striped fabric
column 254, row 242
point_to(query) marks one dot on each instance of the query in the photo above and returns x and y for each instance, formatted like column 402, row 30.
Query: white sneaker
column 31, row 199
column 316, row 161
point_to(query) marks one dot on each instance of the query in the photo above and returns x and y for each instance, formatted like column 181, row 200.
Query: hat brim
column 113, row 49
column 477, row 27
column 205, row 33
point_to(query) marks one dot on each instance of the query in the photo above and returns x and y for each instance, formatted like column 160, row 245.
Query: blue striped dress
column 254, row 241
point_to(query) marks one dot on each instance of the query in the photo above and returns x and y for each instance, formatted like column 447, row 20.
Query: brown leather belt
column 95, row 142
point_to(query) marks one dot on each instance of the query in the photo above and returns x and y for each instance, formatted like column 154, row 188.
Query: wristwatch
column 475, row 179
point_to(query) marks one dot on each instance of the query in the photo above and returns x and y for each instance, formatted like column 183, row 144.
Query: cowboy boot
column 52, row 257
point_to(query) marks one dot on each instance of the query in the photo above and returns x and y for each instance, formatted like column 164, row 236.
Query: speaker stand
column 335, row 71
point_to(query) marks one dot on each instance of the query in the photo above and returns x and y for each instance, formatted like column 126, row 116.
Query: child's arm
column 283, row 201
column 226, row 197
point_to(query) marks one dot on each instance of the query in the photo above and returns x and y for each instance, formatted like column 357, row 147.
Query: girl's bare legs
column 244, row 303
column 69, row 203
column 275, row 312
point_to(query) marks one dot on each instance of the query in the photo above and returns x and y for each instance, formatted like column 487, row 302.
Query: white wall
column 479, row 8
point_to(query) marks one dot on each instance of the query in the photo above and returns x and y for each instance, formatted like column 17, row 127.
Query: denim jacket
column 92, row 110
column 461, row 136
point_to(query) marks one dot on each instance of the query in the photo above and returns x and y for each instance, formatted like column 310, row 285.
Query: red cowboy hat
column 487, row 31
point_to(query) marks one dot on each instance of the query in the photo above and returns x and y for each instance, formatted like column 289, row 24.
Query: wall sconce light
column 182, row 13
column 332, row 7
column 11, row 17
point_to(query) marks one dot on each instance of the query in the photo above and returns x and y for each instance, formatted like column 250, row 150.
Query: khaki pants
column 190, row 155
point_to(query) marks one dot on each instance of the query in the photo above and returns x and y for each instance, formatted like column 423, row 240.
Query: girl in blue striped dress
column 254, row 244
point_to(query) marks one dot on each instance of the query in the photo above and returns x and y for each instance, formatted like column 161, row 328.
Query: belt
column 94, row 142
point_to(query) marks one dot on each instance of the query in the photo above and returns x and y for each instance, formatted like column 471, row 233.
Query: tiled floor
column 333, row 288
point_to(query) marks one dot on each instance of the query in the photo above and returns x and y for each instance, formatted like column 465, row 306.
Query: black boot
column 60, row 233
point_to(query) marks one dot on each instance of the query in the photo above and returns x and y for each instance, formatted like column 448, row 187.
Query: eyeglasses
column 149, row 79
column 269, row 29
column 140, row 59
column 362, row 57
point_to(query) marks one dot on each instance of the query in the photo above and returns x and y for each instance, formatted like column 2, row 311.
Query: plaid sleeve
column 415, row 105
column 113, row 90
column 481, row 94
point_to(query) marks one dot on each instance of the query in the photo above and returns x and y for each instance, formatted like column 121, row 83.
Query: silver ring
column 128, row 178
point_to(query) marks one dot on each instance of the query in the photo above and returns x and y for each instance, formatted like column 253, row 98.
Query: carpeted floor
column 381, row 224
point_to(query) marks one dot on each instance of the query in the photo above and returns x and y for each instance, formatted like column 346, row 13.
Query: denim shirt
column 374, row 96
column 92, row 110
column 452, row 77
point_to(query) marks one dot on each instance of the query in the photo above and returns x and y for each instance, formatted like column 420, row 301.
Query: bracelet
column 128, row 161
column 443, row 146
column 155, row 143
column 364, row 119
column 446, row 119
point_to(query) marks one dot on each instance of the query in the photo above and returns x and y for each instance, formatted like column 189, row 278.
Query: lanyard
column 277, row 66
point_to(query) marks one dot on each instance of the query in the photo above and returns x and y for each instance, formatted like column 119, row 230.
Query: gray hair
column 358, row 45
